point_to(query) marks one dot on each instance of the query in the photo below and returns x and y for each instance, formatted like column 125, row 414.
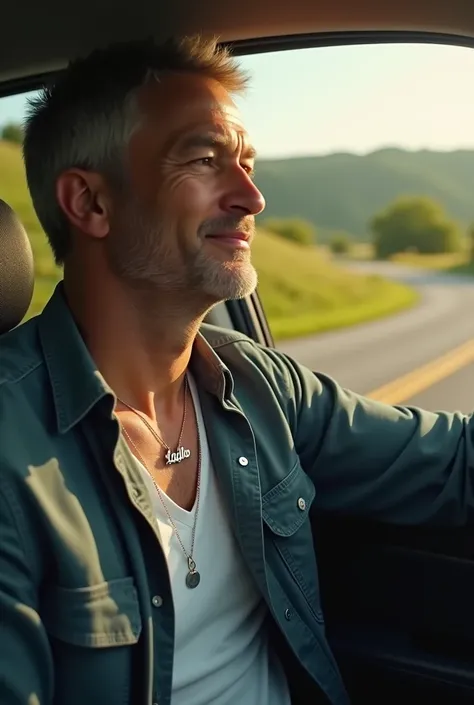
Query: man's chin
column 241, row 293
column 231, row 285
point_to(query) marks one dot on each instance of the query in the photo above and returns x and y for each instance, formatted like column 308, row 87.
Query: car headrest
column 17, row 274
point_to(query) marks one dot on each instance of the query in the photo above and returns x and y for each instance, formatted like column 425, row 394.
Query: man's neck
column 141, row 349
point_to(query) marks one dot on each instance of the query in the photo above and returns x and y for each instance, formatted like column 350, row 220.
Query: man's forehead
column 212, row 133
column 185, row 96
column 181, row 106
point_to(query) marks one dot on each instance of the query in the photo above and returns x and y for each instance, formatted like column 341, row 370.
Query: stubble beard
column 224, row 280
column 141, row 255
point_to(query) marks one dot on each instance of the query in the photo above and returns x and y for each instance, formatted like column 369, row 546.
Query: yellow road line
column 407, row 386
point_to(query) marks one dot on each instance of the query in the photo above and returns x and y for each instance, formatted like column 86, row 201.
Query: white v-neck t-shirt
column 222, row 654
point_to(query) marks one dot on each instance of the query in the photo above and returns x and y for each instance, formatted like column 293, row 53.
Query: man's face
column 186, row 221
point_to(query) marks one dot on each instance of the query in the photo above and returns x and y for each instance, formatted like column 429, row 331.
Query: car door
column 397, row 600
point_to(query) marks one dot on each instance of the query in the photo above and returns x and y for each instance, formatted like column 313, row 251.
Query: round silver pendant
column 193, row 579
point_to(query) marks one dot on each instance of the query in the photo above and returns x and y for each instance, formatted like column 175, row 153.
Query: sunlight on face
column 188, row 222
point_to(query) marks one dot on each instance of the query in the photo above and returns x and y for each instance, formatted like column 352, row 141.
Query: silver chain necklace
column 193, row 577
column 181, row 453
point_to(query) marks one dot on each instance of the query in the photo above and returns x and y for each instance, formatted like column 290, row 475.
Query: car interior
column 397, row 600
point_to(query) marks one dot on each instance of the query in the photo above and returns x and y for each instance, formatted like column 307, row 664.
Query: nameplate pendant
column 177, row 456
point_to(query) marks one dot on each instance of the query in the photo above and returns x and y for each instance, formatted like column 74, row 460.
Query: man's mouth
column 235, row 239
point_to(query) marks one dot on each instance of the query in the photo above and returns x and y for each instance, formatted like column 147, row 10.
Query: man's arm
column 25, row 657
column 394, row 464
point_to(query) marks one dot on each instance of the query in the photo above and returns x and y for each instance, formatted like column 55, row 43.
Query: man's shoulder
column 225, row 342
column 20, row 353
column 22, row 385
column 218, row 337
column 238, row 351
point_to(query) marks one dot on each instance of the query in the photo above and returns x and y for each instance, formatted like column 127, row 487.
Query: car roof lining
column 57, row 31
column 260, row 45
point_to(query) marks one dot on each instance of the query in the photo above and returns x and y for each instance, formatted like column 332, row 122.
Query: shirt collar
column 78, row 385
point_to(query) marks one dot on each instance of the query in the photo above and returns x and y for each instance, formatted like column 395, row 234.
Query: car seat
column 17, row 274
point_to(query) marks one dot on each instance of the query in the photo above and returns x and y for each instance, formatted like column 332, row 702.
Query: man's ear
column 84, row 198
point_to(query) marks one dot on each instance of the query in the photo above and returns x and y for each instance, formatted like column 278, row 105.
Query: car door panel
column 398, row 609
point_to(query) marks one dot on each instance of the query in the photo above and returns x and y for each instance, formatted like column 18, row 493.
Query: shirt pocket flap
column 285, row 507
column 102, row 615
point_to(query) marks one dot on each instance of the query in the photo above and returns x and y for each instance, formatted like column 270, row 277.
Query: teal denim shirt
column 80, row 557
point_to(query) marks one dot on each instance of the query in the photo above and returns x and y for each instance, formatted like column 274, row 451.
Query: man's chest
column 107, row 568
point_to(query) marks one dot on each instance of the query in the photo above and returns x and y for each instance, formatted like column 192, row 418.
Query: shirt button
column 288, row 615
column 301, row 504
column 243, row 461
column 157, row 601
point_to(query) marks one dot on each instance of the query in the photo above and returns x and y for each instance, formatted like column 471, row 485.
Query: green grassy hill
column 343, row 191
column 302, row 290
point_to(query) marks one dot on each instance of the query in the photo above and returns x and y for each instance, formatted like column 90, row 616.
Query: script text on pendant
column 178, row 456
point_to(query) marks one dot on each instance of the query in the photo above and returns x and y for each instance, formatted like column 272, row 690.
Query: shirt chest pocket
column 288, row 535
column 85, row 626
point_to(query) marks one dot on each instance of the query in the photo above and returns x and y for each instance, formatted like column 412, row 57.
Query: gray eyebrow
column 212, row 140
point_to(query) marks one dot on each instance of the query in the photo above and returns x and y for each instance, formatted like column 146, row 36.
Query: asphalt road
column 368, row 356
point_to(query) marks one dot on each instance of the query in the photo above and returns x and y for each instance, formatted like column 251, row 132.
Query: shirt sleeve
column 394, row 464
column 26, row 670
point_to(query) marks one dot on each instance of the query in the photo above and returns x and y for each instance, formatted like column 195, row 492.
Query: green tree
column 340, row 243
column 417, row 224
column 12, row 132
column 294, row 229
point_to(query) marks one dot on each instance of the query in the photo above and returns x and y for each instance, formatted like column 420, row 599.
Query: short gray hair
column 86, row 119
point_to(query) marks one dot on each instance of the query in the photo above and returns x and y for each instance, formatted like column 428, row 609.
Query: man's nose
column 242, row 195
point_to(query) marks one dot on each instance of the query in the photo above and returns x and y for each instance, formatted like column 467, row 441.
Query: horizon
column 376, row 150
column 353, row 153
column 349, row 153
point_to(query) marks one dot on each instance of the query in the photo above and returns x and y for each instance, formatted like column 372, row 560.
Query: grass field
column 302, row 291
column 464, row 268
column 440, row 262
column 458, row 262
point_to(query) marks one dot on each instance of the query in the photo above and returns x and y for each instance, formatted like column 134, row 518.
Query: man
column 157, row 475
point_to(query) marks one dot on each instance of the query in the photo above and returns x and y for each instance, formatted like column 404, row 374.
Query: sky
column 356, row 99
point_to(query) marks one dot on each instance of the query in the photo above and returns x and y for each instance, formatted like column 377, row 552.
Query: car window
column 366, row 161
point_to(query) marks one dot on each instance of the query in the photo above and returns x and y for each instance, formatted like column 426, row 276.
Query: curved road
column 367, row 357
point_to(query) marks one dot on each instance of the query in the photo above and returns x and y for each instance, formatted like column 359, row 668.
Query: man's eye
column 204, row 161
column 249, row 169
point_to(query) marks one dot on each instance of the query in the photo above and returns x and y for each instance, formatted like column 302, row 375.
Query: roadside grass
column 302, row 289
column 304, row 292
column 466, row 268
column 452, row 262
column 361, row 251
column 440, row 262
